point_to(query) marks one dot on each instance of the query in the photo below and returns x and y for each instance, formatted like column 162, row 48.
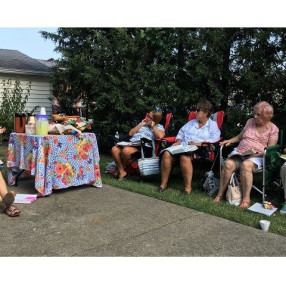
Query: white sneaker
column 283, row 210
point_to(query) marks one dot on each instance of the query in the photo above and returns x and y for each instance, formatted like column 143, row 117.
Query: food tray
column 58, row 118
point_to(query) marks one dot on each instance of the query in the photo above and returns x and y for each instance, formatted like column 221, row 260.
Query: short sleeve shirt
column 251, row 139
column 147, row 132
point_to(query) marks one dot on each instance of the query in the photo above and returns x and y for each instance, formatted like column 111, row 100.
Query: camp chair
column 201, row 163
column 132, row 166
column 270, row 169
column 217, row 116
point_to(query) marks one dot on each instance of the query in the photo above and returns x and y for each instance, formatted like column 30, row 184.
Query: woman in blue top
column 148, row 128
column 195, row 132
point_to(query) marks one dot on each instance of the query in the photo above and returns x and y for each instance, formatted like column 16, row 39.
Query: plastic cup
column 265, row 225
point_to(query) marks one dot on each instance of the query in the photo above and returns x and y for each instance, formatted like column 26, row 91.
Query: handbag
column 211, row 184
column 149, row 166
column 234, row 193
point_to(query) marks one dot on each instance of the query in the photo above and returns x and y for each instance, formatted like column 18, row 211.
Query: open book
column 126, row 143
column 178, row 149
column 243, row 154
column 248, row 152
column 283, row 156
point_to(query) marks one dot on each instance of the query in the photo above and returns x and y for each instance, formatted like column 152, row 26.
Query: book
column 24, row 198
column 258, row 208
column 248, row 152
column 126, row 143
column 178, row 149
column 239, row 156
column 283, row 156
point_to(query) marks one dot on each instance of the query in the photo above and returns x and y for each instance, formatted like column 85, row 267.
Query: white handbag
column 234, row 193
column 149, row 166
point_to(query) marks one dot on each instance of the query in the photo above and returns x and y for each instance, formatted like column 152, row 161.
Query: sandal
column 218, row 198
column 12, row 211
column 245, row 204
column 7, row 201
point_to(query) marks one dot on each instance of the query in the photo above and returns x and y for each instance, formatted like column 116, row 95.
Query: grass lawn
column 200, row 200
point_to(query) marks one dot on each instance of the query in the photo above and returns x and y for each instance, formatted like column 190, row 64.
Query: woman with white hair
column 258, row 133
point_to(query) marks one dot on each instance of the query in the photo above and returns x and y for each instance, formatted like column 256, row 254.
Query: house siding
column 41, row 90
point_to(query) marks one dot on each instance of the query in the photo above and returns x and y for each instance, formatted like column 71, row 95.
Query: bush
column 13, row 100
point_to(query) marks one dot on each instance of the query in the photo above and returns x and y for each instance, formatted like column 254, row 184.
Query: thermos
column 19, row 122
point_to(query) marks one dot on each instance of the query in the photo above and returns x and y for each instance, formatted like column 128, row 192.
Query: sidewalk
column 112, row 222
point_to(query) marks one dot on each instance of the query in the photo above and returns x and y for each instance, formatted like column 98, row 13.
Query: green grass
column 200, row 200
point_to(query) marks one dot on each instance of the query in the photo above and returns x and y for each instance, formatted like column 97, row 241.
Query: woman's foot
column 122, row 175
column 12, row 211
column 245, row 204
column 218, row 198
column 186, row 192
column 161, row 189
column 7, row 200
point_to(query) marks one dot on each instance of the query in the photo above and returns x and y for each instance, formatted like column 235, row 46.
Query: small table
column 56, row 161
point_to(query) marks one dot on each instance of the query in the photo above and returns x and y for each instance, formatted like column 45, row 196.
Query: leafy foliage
column 121, row 73
column 13, row 100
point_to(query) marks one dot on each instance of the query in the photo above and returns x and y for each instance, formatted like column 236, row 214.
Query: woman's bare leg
column 166, row 166
column 228, row 168
column 187, row 171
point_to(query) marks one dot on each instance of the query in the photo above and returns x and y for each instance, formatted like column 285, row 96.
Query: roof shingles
column 15, row 61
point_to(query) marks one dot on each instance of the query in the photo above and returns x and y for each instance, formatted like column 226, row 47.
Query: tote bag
column 234, row 193
column 149, row 166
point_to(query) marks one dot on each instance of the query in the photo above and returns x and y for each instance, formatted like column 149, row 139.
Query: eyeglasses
column 198, row 110
column 150, row 117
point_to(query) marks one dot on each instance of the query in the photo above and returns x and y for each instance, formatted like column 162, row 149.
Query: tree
column 121, row 73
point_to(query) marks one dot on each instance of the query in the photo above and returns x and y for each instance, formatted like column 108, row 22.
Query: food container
column 42, row 124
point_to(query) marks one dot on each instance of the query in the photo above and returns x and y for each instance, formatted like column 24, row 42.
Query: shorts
column 239, row 159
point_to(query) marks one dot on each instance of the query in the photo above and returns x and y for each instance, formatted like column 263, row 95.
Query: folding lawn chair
column 210, row 146
column 270, row 169
column 132, row 166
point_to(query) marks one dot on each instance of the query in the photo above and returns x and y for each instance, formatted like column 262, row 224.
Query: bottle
column 116, row 135
column 42, row 124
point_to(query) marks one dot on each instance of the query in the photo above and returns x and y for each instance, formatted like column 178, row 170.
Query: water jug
column 42, row 124
column 19, row 122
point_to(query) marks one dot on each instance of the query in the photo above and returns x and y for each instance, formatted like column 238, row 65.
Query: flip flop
column 11, row 212
column 7, row 201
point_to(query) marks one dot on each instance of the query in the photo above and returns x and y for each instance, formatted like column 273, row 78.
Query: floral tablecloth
column 56, row 161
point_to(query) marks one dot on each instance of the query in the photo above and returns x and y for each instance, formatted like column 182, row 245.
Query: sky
column 29, row 42
column 20, row 30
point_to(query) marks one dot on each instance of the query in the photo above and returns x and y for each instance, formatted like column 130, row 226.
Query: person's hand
column 2, row 129
column 224, row 142
column 177, row 143
column 143, row 122
column 195, row 143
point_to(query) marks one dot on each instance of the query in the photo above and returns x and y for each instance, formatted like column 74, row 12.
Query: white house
column 16, row 65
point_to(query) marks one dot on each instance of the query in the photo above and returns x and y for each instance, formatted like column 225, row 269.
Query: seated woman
column 6, row 198
column 195, row 132
column 148, row 128
column 257, row 134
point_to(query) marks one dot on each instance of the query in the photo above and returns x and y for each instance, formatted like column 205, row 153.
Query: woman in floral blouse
column 257, row 134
